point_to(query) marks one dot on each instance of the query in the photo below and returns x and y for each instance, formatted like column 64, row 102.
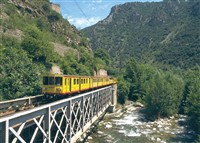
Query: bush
column 36, row 43
column 54, row 16
column 46, row 7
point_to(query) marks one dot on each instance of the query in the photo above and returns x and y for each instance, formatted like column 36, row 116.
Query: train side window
column 65, row 81
column 58, row 81
column 51, row 80
column 74, row 81
column 45, row 80
column 77, row 81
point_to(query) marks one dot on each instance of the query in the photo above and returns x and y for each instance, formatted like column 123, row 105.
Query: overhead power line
column 80, row 9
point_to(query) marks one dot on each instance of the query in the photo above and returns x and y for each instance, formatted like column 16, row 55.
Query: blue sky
column 84, row 13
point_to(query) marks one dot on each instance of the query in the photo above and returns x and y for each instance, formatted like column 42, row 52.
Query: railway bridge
column 62, row 121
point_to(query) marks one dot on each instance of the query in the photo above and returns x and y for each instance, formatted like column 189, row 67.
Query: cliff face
column 160, row 32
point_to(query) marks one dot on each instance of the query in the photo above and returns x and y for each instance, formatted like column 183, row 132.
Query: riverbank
column 128, row 125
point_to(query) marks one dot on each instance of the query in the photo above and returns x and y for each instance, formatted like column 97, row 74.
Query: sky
column 84, row 13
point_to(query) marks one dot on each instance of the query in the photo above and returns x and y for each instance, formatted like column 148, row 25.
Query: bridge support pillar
column 111, row 108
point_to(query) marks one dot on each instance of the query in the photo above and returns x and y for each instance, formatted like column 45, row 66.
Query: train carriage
column 59, row 85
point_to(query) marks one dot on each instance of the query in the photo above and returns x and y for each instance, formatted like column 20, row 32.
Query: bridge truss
column 62, row 121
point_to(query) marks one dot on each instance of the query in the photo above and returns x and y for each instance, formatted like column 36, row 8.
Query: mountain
column 161, row 33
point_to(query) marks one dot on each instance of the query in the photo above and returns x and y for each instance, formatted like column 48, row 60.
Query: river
column 132, row 127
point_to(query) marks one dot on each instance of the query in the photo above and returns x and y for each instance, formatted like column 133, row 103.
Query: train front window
column 45, row 80
column 51, row 80
column 58, row 81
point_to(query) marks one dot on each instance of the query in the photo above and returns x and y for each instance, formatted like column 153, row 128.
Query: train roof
column 59, row 75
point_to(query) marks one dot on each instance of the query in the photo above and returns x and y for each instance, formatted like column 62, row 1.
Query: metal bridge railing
column 62, row 121
column 19, row 102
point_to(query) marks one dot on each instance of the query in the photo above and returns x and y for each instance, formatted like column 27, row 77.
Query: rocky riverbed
column 130, row 126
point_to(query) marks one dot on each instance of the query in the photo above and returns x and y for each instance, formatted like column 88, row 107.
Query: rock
column 153, row 138
column 176, row 121
column 109, row 137
column 138, row 123
column 81, row 139
column 138, row 104
column 158, row 139
column 154, row 129
column 108, row 126
column 99, row 132
column 148, row 126
column 89, row 138
column 166, row 128
column 172, row 117
column 101, row 122
column 191, row 132
column 84, row 135
column 159, row 126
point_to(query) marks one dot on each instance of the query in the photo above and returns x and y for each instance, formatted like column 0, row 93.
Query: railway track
column 12, row 106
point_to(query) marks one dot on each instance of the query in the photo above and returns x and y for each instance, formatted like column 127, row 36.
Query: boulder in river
column 108, row 126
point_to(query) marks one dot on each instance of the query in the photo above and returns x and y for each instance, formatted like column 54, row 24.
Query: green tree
column 193, row 101
column 19, row 75
column 133, row 77
column 123, row 90
column 146, row 73
column 163, row 94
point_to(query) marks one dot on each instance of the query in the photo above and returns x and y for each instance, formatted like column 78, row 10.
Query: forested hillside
column 33, row 39
column 165, row 33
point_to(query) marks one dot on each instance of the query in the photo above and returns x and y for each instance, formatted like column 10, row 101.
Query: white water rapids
column 133, row 128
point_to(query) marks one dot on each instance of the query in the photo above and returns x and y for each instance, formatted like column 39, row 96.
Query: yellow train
column 58, row 85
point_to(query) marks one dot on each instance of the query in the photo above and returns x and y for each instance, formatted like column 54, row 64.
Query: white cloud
column 82, row 22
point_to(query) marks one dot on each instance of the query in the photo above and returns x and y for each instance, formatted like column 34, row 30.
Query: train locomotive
column 56, row 85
